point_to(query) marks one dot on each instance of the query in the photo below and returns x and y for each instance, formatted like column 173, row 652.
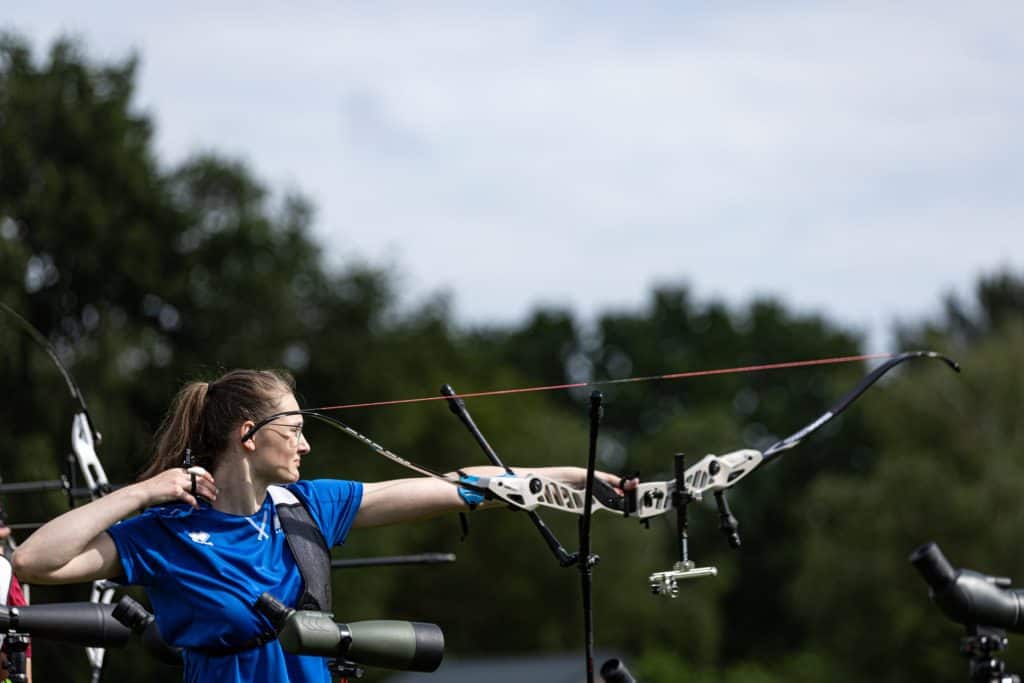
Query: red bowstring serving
column 626, row 380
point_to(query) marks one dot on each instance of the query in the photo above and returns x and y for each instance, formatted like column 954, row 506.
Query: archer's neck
column 239, row 493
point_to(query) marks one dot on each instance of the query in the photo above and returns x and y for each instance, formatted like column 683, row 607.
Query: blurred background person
column 11, row 594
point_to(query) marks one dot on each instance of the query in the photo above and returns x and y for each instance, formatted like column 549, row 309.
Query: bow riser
column 712, row 473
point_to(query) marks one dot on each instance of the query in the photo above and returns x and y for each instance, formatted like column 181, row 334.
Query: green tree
column 949, row 471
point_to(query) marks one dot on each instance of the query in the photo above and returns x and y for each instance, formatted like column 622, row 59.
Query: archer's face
column 280, row 446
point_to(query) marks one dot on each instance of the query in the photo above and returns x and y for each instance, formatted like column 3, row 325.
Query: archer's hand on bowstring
column 75, row 547
column 179, row 485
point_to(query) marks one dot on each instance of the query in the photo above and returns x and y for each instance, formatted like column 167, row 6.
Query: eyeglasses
column 272, row 419
column 295, row 431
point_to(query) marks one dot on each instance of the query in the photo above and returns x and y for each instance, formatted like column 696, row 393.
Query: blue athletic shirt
column 204, row 569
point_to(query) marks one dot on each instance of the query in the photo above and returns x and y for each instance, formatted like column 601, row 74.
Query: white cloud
column 855, row 158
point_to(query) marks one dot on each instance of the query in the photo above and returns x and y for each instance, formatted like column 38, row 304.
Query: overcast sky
column 858, row 159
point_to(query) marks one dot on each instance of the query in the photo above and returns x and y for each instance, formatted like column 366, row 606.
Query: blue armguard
column 470, row 497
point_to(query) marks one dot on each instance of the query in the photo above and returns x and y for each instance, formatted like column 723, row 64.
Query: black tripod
column 344, row 669
column 15, row 645
column 980, row 647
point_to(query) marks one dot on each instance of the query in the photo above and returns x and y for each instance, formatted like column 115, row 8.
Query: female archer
column 208, row 542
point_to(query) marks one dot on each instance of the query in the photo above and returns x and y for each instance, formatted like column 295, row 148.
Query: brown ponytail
column 203, row 416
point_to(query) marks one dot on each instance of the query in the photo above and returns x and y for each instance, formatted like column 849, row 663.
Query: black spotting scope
column 89, row 624
column 81, row 623
column 400, row 645
column 969, row 597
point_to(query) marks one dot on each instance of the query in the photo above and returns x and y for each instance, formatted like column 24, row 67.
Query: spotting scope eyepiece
column 400, row 645
column 614, row 671
column 969, row 597
column 137, row 618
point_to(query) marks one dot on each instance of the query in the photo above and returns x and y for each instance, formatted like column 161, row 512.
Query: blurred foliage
column 144, row 277
column 948, row 471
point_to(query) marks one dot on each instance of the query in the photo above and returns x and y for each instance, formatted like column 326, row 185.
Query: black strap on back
column 308, row 547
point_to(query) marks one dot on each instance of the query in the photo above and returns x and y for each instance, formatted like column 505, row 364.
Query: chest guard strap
column 308, row 548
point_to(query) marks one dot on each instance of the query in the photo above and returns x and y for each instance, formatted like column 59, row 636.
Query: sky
column 855, row 159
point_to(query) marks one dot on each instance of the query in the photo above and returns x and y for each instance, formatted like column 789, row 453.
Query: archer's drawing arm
column 75, row 547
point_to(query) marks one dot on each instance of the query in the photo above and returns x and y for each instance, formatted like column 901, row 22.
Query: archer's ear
column 250, row 443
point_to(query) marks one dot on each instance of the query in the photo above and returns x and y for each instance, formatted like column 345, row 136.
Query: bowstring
column 625, row 380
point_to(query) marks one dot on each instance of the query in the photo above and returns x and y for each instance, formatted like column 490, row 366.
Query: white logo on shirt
column 201, row 537
column 261, row 530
